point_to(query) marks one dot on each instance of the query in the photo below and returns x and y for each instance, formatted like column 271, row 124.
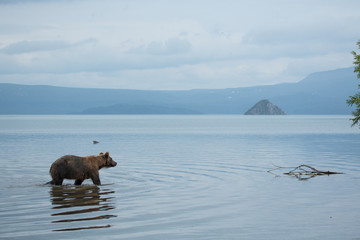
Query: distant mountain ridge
column 137, row 109
column 319, row 93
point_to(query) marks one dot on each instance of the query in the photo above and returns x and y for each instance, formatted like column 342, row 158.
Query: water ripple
column 182, row 184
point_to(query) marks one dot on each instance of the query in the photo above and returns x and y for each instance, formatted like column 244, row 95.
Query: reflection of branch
column 302, row 172
column 272, row 171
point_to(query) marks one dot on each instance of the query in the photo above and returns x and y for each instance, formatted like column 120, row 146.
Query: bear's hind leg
column 57, row 181
column 78, row 181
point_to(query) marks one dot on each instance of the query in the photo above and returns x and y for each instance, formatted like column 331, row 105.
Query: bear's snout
column 112, row 163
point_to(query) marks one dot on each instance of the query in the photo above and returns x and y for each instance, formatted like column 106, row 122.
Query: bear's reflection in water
column 75, row 206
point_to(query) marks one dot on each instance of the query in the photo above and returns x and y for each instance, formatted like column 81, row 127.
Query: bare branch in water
column 302, row 172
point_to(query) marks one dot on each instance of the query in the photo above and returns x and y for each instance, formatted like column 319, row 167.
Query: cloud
column 178, row 45
column 21, row 28
column 33, row 46
column 82, row 56
column 38, row 46
column 6, row 2
column 300, row 42
column 171, row 46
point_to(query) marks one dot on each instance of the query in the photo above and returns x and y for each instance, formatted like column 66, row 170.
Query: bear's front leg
column 78, row 181
column 96, row 179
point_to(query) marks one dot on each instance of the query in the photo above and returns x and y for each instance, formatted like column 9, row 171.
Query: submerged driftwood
column 302, row 172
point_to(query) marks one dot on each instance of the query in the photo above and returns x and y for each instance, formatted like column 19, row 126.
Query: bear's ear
column 101, row 153
column 106, row 155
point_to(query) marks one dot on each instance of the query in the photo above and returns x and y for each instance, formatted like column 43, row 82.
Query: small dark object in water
column 95, row 142
column 303, row 172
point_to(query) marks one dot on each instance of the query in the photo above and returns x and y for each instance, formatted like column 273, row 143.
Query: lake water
column 182, row 177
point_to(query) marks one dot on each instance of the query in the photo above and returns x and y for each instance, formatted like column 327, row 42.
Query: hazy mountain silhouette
column 319, row 93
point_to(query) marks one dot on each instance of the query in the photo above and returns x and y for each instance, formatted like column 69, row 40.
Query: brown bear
column 79, row 168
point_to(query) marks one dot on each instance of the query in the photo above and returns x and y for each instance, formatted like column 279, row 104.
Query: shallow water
column 181, row 177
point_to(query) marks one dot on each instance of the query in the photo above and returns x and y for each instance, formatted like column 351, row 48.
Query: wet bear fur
column 79, row 168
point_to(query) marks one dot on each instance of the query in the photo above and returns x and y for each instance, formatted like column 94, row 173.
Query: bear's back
column 77, row 162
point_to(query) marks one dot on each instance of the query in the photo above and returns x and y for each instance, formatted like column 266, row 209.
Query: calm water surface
column 181, row 177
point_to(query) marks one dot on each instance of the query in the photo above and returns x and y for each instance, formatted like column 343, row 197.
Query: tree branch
column 302, row 172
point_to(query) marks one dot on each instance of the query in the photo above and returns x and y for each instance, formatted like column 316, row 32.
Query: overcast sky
column 166, row 44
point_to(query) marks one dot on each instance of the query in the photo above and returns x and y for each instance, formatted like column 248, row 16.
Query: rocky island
column 265, row 107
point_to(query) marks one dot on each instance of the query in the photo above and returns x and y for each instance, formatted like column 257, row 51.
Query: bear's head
column 109, row 162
